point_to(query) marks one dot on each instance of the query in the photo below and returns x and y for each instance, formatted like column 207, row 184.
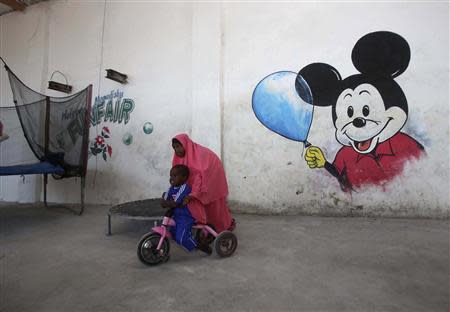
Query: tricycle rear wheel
column 225, row 244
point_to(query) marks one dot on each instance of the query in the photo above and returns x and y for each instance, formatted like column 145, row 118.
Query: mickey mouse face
column 362, row 120
column 370, row 107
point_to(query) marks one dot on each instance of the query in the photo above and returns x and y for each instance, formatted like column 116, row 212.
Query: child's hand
column 168, row 203
column 169, row 213
column 164, row 203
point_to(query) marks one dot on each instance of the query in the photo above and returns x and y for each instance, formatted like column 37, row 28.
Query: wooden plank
column 13, row 4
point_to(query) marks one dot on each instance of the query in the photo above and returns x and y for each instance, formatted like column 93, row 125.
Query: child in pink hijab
column 207, row 201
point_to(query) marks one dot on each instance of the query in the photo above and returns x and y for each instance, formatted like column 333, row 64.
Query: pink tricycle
column 154, row 247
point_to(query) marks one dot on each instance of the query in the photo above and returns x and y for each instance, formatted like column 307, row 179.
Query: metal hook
column 57, row 71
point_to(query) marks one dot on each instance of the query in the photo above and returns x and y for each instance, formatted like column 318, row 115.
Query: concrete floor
column 51, row 260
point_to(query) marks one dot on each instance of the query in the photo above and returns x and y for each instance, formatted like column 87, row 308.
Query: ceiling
column 6, row 7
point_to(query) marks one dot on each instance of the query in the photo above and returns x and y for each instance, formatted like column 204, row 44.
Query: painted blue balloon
column 148, row 127
column 277, row 105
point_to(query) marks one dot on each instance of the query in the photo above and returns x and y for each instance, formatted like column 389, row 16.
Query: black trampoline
column 147, row 209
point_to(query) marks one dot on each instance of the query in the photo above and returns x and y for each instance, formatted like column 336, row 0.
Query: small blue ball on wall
column 148, row 127
column 127, row 139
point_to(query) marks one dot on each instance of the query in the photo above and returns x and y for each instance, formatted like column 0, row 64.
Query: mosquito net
column 52, row 129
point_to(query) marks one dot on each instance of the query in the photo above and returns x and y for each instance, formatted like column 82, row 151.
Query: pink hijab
column 207, row 177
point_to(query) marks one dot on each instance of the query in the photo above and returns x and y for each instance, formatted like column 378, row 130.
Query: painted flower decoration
column 99, row 145
column 105, row 132
column 99, row 140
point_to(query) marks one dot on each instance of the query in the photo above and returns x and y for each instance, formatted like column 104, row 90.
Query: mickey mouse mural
column 368, row 111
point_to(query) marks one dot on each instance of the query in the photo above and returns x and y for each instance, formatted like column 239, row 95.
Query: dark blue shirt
column 177, row 194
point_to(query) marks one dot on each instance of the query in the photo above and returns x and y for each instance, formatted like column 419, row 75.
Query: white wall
column 24, row 46
column 267, row 172
column 192, row 68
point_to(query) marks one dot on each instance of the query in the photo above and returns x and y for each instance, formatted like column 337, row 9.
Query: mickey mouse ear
column 381, row 53
column 323, row 81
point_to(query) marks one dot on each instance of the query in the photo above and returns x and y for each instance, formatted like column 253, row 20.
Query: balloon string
column 306, row 144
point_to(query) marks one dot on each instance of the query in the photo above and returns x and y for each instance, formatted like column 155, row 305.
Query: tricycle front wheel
column 147, row 252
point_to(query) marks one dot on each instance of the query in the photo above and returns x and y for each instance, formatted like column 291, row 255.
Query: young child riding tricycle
column 178, row 223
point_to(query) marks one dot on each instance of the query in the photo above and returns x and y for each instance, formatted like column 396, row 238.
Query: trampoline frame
column 122, row 211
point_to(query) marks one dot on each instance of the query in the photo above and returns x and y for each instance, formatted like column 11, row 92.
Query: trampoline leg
column 45, row 189
column 83, row 184
column 109, row 225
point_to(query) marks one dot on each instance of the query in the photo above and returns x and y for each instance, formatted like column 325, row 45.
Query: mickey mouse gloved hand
column 314, row 157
